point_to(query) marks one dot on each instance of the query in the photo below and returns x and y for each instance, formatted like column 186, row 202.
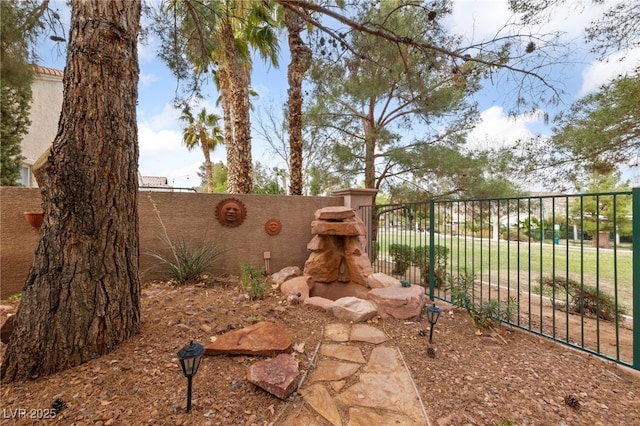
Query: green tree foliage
column 217, row 36
column 203, row 131
column 23, row 22
column 268, row 181
column 601, row 131
column 219, row 175
column 16, row 75
column 369, row 97
column 604, row 213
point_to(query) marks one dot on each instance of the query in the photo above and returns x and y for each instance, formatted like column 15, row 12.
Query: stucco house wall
column 46, row 106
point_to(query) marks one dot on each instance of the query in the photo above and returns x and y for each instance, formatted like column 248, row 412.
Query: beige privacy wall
column 189, row 216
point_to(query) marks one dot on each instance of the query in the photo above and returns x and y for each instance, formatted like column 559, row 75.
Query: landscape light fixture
column 189, row 357
column 433, row 313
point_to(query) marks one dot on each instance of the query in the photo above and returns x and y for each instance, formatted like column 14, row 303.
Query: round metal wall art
column 273, row 226
column 231, row 212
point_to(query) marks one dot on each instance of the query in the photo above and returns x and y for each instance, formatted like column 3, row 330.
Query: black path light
column 189, row 357
column 433, row 313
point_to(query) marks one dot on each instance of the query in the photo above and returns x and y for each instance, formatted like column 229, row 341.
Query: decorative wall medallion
column 231, row 212
column 273, row 227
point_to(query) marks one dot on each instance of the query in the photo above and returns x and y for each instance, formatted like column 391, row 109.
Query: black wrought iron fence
column 561, row 266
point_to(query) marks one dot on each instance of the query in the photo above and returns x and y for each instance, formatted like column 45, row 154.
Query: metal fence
column 561, row 266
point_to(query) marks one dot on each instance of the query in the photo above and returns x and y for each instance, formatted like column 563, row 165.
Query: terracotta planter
column 34, row 219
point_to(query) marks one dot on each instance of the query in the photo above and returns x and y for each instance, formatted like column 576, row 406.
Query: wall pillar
column 356, row 197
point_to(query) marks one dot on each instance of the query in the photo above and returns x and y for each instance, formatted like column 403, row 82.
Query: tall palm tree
column 300, row 63
column 205, row 132
column 219, row 35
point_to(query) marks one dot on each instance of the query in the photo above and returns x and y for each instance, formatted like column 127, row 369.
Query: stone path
column 358, row 380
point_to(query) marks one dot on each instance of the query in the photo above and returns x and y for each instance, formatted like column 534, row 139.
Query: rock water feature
column 338, row 276
column 338, row 265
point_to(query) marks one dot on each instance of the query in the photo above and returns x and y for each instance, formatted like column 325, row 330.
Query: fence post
column 635, row 215
column 432, row 240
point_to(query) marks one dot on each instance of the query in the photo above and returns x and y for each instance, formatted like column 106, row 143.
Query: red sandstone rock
column 296, row 285
column 279, row 376
column 337, row 290
column 351, row 227
column 398, row 302
column 380, row 280
column 318, row 303
column 335, row 213
column 353, row 309
column 264, row 338
column 286, row 274
column 323, row 266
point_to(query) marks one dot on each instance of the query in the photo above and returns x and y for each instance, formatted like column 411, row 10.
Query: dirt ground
column 476, row 378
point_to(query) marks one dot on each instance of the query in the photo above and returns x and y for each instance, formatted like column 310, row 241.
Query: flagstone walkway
column 359, row 380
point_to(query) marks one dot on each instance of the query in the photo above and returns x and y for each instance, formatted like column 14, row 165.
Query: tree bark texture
column 239, row 162
column 300, row 62
column 82, row 295
column 207, row 159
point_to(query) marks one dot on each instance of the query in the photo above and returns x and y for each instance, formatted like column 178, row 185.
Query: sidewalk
column 358, row 380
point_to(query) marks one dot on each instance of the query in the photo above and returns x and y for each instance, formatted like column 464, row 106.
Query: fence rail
column 561, row 266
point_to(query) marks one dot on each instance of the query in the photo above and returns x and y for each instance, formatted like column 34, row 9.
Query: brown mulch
column 508, row 377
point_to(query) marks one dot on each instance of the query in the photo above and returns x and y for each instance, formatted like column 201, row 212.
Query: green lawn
column 507, row 262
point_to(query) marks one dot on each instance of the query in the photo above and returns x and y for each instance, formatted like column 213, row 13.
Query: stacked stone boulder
column 338, row 265
column 338, row 276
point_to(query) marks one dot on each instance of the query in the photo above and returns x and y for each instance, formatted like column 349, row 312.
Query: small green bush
column 402, row 257
column 252, row 281
column 590, row 300
column 187, row 262
column 484, row 313
column 421, row 258
column 585, row 299
column 461, row 288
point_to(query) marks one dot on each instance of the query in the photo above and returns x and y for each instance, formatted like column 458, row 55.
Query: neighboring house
column 153, row 183
column 46, row 106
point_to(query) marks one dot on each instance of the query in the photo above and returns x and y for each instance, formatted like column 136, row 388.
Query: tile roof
column 48, row 71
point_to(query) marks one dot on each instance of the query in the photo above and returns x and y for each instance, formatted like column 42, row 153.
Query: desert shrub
column 421, row 258
column 585, row 299
column 513, row 234
column 187, row 262
column 484, row 313
column 252, row 281
column 592, row 301
column 402, row 256
column 461, row 288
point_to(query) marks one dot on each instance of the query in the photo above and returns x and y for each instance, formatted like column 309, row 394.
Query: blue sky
column 159, row 128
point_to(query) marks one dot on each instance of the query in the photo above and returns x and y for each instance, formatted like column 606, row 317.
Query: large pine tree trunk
column 82, row 295
column 300, row 62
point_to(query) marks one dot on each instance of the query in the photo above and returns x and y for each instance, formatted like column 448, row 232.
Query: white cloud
column 497, row 130
column 162, row 152
column 483, row 19
column 477, row 19
column 148, row 78
column 602, row 72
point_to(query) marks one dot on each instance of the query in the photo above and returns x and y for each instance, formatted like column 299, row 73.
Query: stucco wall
column 46, row 105
column 185, row 215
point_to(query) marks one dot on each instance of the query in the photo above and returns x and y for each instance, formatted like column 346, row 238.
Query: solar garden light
column 189, row 357
column 433, row 313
